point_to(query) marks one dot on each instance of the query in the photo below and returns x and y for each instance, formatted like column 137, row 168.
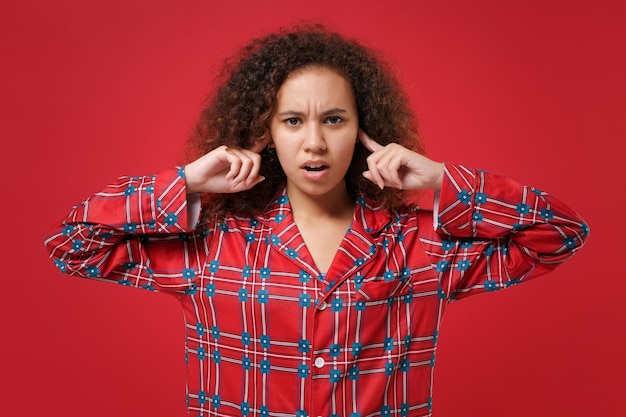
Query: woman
column 310, row 287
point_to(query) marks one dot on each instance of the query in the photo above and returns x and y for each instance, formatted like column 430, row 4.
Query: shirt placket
column 326, row 319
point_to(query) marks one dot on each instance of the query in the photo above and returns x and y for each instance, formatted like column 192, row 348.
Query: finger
column 245, row 165
column 250, row 168
column 260, row 144
column 389, row 164
column 369, row 143
column 253, row 175
column 257, row 180
column 368, row 176
column 234, row 163
column 374, row 172
column 392, row 171
column 244, row 170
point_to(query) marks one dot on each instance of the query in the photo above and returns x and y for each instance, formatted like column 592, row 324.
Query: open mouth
column 315, row 168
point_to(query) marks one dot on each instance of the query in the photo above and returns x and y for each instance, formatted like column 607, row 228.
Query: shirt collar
column 370, row 215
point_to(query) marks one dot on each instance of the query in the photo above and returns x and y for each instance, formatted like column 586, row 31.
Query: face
column 314, row 130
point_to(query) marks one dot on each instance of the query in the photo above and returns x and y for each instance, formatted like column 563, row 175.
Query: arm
column 139, row 231
column 131, row 232
column 489, row 232
column 492, row 232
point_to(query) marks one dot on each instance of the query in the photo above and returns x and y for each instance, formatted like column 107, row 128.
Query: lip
column 316, row 162
column 317, row 174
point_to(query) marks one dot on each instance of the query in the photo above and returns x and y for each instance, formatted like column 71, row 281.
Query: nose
column 314, row 139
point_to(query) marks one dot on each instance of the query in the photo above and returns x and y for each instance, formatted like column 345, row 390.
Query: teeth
column 318, row 167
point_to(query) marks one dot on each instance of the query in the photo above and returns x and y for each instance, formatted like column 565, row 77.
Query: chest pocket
column 415, row 286
column 401, row 270
column 377, row 289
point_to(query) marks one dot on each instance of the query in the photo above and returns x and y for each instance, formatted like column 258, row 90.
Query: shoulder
column 375, row 216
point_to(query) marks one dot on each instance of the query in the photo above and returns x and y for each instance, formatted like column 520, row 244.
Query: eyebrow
column 299, row 113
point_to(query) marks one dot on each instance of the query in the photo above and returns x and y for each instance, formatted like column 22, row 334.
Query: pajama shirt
column 267, row 334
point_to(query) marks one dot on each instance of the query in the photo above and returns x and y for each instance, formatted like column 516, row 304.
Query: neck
column 336, row 204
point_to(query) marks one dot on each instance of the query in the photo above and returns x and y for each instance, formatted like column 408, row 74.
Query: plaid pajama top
column 268, row 335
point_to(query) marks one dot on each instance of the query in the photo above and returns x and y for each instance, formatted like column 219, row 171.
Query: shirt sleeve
column 490, row 232
column 135, row 232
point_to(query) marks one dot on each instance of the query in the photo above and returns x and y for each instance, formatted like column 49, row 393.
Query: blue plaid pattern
column 267, row 334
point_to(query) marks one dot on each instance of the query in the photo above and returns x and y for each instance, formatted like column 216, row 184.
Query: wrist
column 190, row 183
column 439, row 169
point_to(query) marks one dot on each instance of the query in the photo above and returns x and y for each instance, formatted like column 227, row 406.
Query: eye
column 292, row 121
column 334, row 120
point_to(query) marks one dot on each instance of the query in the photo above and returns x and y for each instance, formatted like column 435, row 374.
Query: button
column 322, row 305
column 319, row 362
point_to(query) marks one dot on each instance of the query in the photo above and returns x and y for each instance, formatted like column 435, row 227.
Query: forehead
column 321, row 84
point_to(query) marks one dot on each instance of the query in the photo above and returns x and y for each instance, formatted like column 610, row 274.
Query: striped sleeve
column 491, row 232
column 123, row 232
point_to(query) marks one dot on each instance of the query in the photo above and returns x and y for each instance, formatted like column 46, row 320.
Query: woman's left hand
column 395, row 166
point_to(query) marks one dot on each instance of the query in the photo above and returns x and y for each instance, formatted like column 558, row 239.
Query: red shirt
column 266, row 333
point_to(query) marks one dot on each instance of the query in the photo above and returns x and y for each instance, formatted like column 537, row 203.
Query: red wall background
column 91, row 90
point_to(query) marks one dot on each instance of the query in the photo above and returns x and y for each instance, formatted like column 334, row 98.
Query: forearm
column 491, row 232
column 88, row 241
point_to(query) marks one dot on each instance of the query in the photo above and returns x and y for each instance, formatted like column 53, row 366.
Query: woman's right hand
column 225, row 170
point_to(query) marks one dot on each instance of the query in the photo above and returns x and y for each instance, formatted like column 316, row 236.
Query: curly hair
column 240, row 110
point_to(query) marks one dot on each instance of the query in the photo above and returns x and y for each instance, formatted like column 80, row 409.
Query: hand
column 396, row 166
column 225, row 170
